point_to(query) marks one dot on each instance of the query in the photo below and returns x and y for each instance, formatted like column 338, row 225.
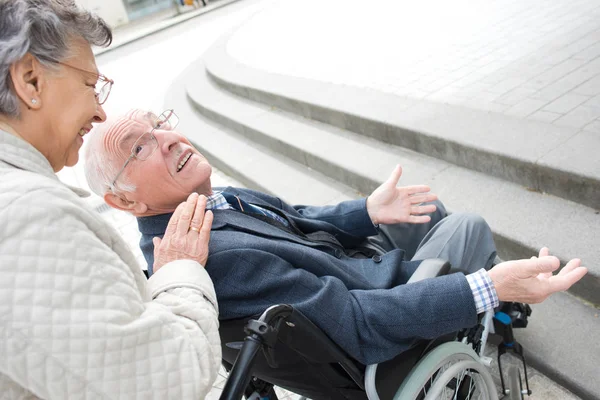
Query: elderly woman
column 78, row 319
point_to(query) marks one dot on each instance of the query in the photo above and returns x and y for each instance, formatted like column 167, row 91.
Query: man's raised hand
column 389, row 204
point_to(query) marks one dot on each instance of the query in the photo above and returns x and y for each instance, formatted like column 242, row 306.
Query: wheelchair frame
column 468, row 353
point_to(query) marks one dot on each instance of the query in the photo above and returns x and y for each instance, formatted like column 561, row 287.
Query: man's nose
column 167, row 140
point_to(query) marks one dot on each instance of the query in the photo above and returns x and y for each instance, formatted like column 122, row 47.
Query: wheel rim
column 465, row 385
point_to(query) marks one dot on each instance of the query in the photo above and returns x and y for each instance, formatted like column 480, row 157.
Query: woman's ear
column 121, row 203
column 27, row 76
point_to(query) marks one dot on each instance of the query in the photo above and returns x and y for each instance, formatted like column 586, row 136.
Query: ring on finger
column 193, row 228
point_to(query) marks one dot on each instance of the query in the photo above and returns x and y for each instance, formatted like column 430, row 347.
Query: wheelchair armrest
column 430, row 268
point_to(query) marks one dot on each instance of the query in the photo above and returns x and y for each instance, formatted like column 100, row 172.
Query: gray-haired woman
column 78, row 319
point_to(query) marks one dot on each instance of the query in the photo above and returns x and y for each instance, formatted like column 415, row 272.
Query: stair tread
column 269, row 173
column 533, row 219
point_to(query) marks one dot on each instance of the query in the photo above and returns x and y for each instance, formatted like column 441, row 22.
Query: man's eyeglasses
column 147, row 144
column 104, row 83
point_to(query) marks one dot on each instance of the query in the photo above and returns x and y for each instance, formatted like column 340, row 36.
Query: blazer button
column 377, row 259
column 338, row 253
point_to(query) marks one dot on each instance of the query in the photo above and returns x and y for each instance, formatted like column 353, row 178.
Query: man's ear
column 28, row 78
column 121, row 203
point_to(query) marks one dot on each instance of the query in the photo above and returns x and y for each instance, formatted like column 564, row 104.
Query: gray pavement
column 535, row 59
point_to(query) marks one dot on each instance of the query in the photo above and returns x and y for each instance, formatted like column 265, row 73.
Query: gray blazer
column 362, row 303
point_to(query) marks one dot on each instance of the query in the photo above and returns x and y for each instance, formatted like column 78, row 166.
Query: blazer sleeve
column 371, row 325
column 350, row 216
column 77, row 322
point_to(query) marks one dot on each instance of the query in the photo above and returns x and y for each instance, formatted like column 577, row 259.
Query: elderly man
column 344, row 266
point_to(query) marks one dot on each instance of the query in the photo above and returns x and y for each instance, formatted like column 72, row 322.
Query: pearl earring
column 33, row 101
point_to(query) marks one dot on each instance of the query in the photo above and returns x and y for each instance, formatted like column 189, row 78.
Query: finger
column 542, row 265
column 560, row 283
column 183, row 226
column 156, row 242
column 196, row 222
column 544, row 251
column 395, row 176
column 174, row 221
column 204, row 238
column 419, row 189
column 571, row 265
column 422, row 219
column 423, row 198
column 206, row 225
column 416, row 210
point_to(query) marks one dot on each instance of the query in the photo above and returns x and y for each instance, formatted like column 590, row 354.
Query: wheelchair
column 283, row 348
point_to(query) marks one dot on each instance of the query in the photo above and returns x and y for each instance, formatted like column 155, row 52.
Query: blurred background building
column 120, row 12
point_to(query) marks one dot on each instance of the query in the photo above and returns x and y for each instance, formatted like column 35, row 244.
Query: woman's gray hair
column 43, row 28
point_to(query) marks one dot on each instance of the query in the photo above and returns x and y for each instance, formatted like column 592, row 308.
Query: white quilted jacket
column 78, row 320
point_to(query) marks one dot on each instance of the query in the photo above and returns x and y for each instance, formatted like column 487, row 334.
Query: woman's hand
column 187, row 234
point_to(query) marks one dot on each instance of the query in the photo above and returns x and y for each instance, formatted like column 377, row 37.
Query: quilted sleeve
column 76, row 321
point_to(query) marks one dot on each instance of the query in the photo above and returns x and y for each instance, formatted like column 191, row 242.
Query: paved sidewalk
column 532, row 59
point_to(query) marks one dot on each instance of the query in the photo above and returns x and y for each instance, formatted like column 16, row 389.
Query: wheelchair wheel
column 515, row 384
column 450, row 371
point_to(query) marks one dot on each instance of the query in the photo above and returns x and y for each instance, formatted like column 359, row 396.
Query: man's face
column 166, row 178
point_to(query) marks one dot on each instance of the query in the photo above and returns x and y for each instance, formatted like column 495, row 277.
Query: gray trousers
column 463, row 239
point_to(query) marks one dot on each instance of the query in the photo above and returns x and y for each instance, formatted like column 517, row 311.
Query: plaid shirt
column 217, row 201
column 483, row 290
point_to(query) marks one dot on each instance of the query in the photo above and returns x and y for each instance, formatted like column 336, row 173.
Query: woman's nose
column 100, row 115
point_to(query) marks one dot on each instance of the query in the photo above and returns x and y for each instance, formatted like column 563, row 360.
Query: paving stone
column 565, row 103
column 544, row 116
column 593, row 126
column 590, row 88
column 569, row 82
column 515, row 96
column 579, row 117
column 589, row 53
column 526, row 107
column 594, row 101
column 555, row 73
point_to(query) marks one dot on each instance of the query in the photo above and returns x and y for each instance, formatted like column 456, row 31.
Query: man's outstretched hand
column 389, row 204
column 531, row 281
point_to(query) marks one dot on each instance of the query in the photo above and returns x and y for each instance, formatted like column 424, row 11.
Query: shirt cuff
column 483, row 290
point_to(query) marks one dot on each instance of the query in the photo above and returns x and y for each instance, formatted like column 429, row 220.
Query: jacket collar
column 20, row 154
column 157, row 224
column 246, row 195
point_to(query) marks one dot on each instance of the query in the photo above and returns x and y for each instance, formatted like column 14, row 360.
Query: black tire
column 515, row 384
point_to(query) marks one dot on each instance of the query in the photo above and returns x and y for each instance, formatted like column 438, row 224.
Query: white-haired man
column 344, row 266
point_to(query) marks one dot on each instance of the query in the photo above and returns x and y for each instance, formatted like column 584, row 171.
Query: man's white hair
column 100, row 166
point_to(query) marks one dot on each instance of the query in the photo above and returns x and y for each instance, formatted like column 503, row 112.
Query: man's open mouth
column 183, row 162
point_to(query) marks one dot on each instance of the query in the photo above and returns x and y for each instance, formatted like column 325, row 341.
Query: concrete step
column 362, row 163
column 540, row 156
column 534, row 220
column 255, row 167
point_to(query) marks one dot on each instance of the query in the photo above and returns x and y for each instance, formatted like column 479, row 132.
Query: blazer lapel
column 247, row 223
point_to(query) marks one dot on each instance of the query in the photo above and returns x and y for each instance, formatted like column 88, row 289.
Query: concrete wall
column 112, row 11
